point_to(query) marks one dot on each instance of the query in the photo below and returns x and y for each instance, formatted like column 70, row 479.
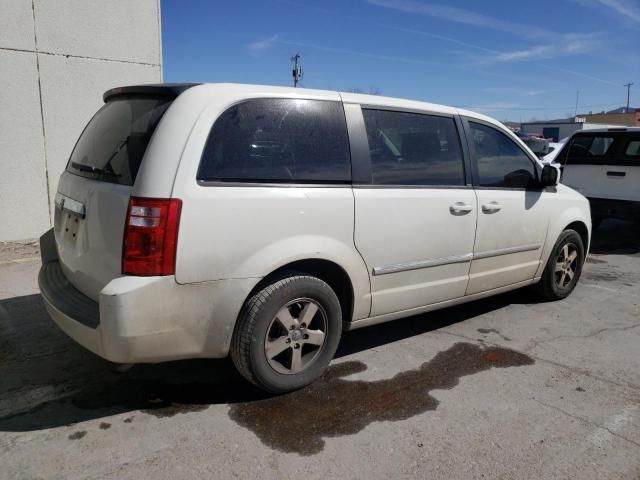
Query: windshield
column 112, row 145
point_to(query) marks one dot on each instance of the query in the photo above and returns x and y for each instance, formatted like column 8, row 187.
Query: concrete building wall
column 56, row 60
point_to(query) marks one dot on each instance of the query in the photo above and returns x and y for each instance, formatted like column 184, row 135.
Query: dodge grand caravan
column 259, row 222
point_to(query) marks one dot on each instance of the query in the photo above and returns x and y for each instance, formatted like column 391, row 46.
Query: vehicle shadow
column 46, row 380
column 616, row 237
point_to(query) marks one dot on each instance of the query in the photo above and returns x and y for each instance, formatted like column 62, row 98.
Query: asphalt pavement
column 505, row 387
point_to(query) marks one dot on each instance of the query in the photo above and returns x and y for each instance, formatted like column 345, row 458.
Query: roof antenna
column 297, row 69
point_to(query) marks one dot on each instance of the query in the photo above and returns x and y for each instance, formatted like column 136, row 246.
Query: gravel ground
column 500, row 388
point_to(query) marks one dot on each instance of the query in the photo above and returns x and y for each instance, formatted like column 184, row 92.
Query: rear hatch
column 93, row 193
column 603, row 165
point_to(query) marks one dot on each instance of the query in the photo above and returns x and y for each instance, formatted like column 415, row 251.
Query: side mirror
column 550, row 176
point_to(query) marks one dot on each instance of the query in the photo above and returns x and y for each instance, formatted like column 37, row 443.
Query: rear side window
column 278, row 140
column 633, row 149
column 585, row 146
column 611, row 148
column 113, row 143
column 501, row 162
column 413, row 149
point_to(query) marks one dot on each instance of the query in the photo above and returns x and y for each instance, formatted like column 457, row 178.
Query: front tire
column 287, row 333
column 563, row 268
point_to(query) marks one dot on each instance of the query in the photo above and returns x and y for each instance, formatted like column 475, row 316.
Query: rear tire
column 287, row 333
column 563, row 269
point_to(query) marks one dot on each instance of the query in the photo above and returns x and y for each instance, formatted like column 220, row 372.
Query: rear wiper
column 96, row 170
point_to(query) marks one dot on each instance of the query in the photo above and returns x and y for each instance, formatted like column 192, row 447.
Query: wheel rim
column 566, row 265
column 295, row 336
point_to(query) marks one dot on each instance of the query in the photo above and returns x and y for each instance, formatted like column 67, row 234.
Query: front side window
column 278, row 140
column 501, row 162
column 413, row 149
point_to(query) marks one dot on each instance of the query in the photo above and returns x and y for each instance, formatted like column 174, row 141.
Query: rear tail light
column 151, row 236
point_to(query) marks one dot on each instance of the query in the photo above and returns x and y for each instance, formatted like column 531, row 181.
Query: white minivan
column 259, row 222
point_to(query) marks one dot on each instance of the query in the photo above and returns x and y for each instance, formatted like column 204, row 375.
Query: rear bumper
column 144, row 319
column 76, row 314
column 607, row 208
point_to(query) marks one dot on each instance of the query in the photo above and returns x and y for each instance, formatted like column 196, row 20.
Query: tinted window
column 413, row 149
column 611, row 148
column 278, row 140
column 589, row 146
column 112, row 145
column 501, row 162
column 633, row 149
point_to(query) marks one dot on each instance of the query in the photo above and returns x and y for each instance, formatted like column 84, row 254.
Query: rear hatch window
column 112, row 145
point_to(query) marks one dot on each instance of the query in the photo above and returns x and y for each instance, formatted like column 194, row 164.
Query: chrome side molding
column 506, row 251
column 438, row 262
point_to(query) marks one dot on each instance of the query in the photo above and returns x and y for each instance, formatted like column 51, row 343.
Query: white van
column 257, row 221
column 604, row 165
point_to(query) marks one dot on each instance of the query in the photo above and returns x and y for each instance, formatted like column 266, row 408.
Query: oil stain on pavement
column 77, row 435
column 333, row 406
column 487, row 331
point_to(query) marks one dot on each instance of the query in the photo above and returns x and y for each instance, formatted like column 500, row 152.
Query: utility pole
column 297, row 69
column 575, row 114
column 628, row 85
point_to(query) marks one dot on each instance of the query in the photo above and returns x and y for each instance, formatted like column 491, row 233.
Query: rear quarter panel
column 234, row 232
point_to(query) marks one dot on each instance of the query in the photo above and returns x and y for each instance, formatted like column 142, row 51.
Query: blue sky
column 511, row 60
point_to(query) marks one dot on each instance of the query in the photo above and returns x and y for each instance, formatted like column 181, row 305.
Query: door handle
column 616, row 174
column 460, row 208
column 491, row 207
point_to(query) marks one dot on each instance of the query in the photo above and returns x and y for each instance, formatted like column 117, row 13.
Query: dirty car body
column 203, row 220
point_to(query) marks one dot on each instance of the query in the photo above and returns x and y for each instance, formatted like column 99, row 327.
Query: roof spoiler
column 170, row 90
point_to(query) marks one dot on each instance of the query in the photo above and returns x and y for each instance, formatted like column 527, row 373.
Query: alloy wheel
column 295, row 336
column 566, row 265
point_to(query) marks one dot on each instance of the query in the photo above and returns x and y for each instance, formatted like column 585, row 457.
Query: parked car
column 255, row 221
column 554, row 150
column 537, row 144
column 604, row 165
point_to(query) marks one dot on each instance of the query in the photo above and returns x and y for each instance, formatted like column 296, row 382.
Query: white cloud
column 457, row 14
column 460, row 15
column 555, row 45
column 515, row 91
column 623, row 7
column 629, row 9
column 570, row 44
column 263, row 44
